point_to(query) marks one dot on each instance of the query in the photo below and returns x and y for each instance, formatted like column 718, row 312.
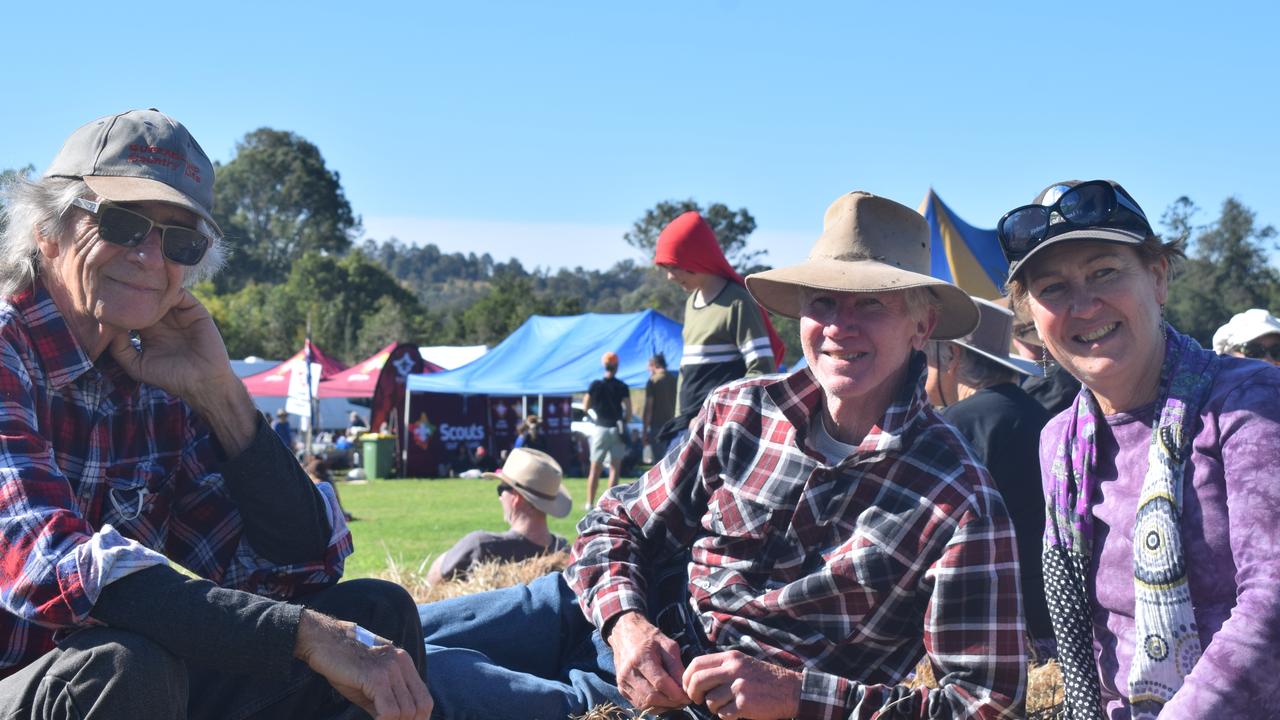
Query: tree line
column 297, row 260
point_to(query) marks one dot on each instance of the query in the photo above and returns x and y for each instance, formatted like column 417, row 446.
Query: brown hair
column 1150, row 252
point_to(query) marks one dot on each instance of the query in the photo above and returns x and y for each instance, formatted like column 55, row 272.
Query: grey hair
column 30, row 209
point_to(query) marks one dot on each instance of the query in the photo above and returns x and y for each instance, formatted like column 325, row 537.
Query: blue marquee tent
column 561, row 355
column 962, row 254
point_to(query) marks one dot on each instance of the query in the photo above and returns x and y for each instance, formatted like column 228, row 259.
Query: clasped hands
column 731, row 684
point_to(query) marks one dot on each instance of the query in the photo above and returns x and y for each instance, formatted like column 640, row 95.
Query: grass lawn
column 409, row 521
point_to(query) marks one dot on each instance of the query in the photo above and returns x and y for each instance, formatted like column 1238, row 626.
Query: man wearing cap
column 130, row 447
column 1254, row 333
column 824, row 530
column 528, row 489
column 610, row 399
column 974, row 381
column 659, row 403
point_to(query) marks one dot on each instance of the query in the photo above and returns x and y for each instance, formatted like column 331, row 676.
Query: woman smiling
column 1160, row 555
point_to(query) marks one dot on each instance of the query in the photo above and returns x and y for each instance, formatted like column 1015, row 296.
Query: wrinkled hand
column 382, row 680
column 734, row 685
column 180, row 353
column 648, row 664
column 184, row 355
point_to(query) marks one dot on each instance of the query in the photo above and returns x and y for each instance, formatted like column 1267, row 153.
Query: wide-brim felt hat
column 536, row 476
column 868, row 244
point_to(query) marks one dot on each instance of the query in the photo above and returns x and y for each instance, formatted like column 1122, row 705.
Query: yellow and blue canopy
column 962, row 254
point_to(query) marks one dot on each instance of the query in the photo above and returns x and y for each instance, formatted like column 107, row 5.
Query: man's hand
column 184, row 355
column 733, row 685
column 382, row 680
column 648, row 664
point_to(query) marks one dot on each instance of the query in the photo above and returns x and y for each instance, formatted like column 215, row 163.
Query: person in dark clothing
column 531, row 434
column 974, row 381
column 132, row 449
column 611, row 401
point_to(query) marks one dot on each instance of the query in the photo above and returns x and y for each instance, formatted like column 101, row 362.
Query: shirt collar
column 55, row 347
column 799, row 396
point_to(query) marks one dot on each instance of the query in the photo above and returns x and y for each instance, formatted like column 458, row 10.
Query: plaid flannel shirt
column 101, row 476
column 850, row 572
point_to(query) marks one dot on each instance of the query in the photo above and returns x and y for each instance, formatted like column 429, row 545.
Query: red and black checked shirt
column 850, row 573
column 101, row 476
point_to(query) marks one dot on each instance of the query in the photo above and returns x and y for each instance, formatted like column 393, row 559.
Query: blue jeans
column 524, row 652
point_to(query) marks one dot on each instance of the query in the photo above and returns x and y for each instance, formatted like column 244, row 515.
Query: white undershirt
column 821, row 441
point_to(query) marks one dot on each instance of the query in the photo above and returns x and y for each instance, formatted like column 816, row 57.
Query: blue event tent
column 962, row 254
column 561, row 356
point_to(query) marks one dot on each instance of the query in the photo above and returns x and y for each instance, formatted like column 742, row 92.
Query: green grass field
column 409, row 521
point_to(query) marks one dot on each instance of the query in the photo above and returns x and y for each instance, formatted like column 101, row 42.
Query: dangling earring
column 1164, row 326
column 1044, row 360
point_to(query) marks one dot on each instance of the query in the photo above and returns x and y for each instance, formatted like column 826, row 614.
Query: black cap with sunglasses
column 1072, row 210
column 142, row 156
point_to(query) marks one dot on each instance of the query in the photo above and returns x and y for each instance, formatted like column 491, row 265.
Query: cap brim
column 1013, row 362
column 777, row 289
column 132, row 189
column 559, row 507
column 1106, row 235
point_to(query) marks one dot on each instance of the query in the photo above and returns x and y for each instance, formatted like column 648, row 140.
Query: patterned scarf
column 1166, row 626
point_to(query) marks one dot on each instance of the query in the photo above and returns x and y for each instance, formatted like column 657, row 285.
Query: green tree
column 1227, row 271
column 732, row 228
column 276, row 200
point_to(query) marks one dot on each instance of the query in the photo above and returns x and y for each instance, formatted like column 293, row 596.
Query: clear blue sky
column 543, row 130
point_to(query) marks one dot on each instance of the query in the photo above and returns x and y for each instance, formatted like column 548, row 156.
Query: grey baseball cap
column 140, row 156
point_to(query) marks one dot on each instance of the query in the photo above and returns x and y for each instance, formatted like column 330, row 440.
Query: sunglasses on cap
column 122, row 226
column 1096, row 203
column 1258, row 351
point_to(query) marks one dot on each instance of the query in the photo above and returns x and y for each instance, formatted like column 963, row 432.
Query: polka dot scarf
column 1166, row 628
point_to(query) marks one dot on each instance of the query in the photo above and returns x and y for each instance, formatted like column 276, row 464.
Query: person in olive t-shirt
column 726, row 335
column 659, row 403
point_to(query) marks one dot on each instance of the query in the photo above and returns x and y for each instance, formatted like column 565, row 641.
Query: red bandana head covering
column 690, row 244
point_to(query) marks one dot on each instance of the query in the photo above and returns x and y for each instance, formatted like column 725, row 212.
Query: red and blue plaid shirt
column 101, row 476
column 849, row 572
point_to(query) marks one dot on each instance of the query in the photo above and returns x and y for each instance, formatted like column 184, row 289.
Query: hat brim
column 1014, row 363
column 559, row 507
column 117, row 188
column 1097, row 234
column 777, row 290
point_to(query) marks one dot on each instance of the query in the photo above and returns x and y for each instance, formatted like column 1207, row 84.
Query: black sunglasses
column 122, row 226
column 503, row 487
column 1096, row 203
column 1258, row 351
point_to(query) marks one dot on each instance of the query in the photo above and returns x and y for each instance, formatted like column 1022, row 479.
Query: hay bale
column 491, row 575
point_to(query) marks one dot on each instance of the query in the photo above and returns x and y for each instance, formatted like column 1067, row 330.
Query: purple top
column 1231, row 532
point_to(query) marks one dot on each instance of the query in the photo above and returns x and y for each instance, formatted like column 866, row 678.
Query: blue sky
column 543, row 130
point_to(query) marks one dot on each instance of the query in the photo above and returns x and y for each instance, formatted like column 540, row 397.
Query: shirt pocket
column 743, row 533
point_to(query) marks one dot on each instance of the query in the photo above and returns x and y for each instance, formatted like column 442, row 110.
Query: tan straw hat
column 868, row 244
column 536, row 476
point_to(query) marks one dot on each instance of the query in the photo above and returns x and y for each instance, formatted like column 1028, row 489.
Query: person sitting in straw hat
column 974, row 380
column 1253, row 333
column 816, row 534
column 528, row 489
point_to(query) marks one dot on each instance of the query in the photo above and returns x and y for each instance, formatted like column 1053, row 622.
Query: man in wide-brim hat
column 812, row 537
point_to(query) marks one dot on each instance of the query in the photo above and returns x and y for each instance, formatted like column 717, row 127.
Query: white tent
column 452, row 356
